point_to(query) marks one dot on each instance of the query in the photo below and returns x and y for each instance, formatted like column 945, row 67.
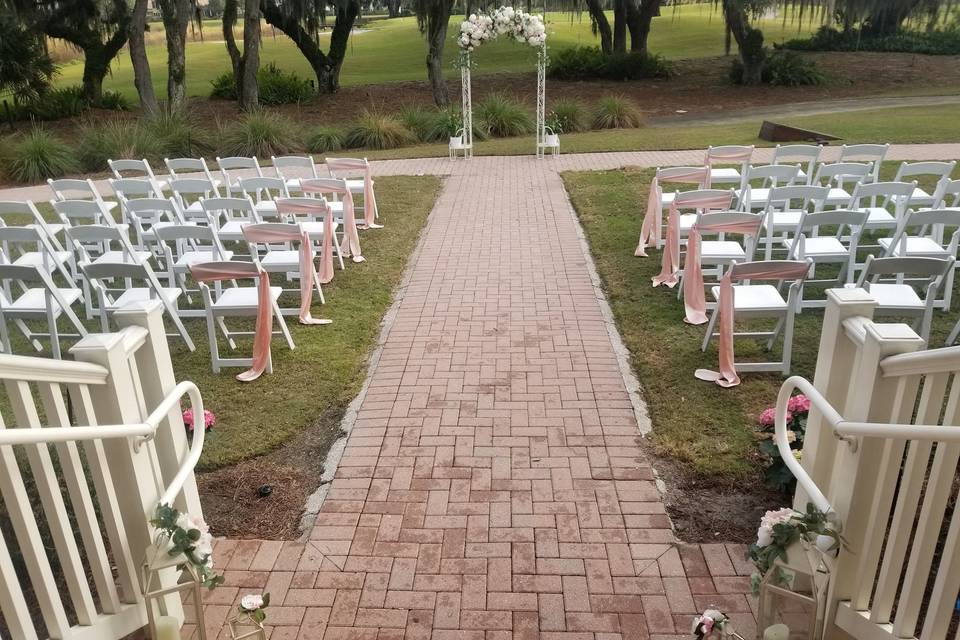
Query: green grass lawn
column 393, row 50
column 895, row 125
column 701, row 426
column 315, row 382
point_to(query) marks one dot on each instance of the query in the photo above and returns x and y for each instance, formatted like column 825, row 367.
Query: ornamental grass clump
column 115, row 139
column 259, row 134
column 501, row 117
column 36, row 156
column 374, row 130
column 325, row 140
column 616, row 112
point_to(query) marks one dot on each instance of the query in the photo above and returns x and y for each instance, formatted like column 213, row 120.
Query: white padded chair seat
column 920, row 197
column 315, row 228
column 687, row 220
column 758, row 197
column 355, row 185
column 113, row 256
column 895, row 296
column 148, row 234
column 142, row 294
column 281, row 260
column 34, row 301
column 232, row 230
column 783, row 219
column 667, row 198
column 36, row 258
column 820, row 247
column 916, row 247
column 754, row 297
column 234, row 298
column 193, row 257
column 725, row 175
column 267, row 208
column 722, row 250
column 838, row 196
column 878, row 216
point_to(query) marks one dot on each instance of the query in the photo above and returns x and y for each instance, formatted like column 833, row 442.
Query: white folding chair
column 839, row 248
column 699, row 176
column 237, row 302
column 722, row 251
column 928, row 233
column 687, row 201
column 185, row 168
column 130, row 188
column 873, row 153
column 139, row 283
column 30, row 246
column 97, row 243
column 341, row 167
column 283, row 258
column 785, row 209
column 17, row 213
column 841, row 178
column 129, row 168
column 147, row 214
column 947, row 194
column 292, row 169
column 885, row 279
column 188, row 193
column 184, row 245
column 912, row 170
column 263, row 191
column 76, row 213
column 234, row 168
column 45, row 302
column 729, row 155
column 75, row 189
column 803, row 156
column 758, row 180
column 228, row 216
column 885, row 203
column 761, row 301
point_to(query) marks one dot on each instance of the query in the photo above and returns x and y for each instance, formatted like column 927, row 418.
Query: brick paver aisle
column 492, row 485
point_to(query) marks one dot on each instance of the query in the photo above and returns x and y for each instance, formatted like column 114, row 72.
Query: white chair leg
column 226, row 333
column 336, row 245
column 316, row 283
column 4, row 335
column 710, row 327
column 212, row 337
column 283, row 326
column 953, row 334
column 54, row 335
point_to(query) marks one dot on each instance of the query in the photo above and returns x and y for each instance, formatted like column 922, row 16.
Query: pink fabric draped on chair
column 350, row 233
column 653, row 218
column 369, row 199
column 738, row 156
column 219, row 271
column 776, row 270
column 670, row 260
column 298, row 207
column 284, row 233
column 694, row 298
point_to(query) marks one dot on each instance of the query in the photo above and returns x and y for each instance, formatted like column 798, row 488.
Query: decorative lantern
column 793, row 593
column 247, row 624
column 157, row 565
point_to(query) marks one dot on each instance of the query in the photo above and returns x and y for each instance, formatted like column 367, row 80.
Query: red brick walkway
column 493, row 484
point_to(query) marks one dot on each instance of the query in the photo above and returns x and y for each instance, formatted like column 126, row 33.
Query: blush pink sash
column 773, row 270
column 653, row 218
column 218, row 271
column 369, row 199
column 694, row 300
column 352, row 243
column 283, row 233
column 298, row 207
column 729, row 157
column 670, row 260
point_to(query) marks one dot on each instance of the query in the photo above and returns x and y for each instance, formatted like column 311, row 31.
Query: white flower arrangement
column 524, row 27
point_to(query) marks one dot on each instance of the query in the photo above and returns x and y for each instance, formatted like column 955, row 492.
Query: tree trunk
column 249, row 90
column 888, row 17
column 325, row 66
column 230, row 11
column 601, row 25
column 393, row 8
column 638, row 22
column 620, row 26
column 435, row 25
column 142, row 77
column 176, row 18
column 749, row 42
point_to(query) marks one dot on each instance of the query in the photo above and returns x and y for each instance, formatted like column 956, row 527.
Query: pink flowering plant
column 209, row 419
column 713, row 621
column 777, row 475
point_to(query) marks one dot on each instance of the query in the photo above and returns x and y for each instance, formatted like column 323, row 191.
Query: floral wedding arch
column 524, row 28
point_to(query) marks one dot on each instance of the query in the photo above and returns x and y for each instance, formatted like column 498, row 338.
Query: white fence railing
column 882, row 448
column 83, row 465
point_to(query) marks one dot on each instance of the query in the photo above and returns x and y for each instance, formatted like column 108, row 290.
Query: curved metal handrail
column 783, row 444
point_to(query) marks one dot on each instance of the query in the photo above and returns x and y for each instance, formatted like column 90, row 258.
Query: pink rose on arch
column 209, row 419
column 798, row 404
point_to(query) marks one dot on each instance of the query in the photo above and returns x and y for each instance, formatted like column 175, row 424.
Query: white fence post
column 157, row 380
column 133, row 467
column 835, row 364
